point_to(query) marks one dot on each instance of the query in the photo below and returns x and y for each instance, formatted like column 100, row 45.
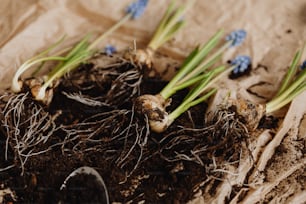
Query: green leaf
column 164, row 20
column 82, row 46
column 291, row 86
column 191, row 82
column 291, row 72
column 178, row 26
column 167, row 26
column 190, row 63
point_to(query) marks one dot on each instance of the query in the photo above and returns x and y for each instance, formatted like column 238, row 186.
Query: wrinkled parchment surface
column 29, row 26
column 276, row 29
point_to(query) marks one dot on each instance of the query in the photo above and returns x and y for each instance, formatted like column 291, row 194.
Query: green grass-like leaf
column 40, row 58
column 191, row 62
column 291, row 87
column 291, row 72
column 170, row 24
column 201, row 90
column 192, row 97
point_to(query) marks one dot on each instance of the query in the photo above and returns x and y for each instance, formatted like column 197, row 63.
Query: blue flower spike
column 236, row 37
column 241, row 64
column 110, row 50
column 303, row 65
column 137, row 8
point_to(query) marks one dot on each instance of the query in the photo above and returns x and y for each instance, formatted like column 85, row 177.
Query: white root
column 245, row 165
column 261, row 154
column 26, row 125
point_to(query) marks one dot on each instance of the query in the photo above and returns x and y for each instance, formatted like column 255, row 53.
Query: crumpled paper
column 275, row 31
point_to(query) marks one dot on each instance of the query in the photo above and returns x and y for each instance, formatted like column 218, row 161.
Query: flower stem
column 110, row 31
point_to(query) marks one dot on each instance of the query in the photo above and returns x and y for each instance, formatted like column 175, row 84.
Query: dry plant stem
column 260, row 193
column 263, row 150
column 301, row 197
column 27, row 127
column 294, row 114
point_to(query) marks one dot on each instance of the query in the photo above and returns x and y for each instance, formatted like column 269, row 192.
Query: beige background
column 28, row 26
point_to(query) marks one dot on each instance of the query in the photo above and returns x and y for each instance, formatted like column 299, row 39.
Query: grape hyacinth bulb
column 241, row 64
column 137, row 8
column 236, row 37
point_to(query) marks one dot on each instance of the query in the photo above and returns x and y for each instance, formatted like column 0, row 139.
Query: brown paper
column 276, row 29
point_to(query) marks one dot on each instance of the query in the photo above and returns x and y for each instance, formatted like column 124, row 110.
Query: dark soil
column 105, row 133
column 268, row 122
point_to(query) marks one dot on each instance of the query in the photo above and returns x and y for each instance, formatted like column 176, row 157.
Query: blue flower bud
column 137, row 8
column 236, row 37
column 109, row 50
column 241, row 64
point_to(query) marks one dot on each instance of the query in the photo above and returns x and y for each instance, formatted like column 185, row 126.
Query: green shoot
column 291, row 72
column 170, row 24
column 293, row 84
column 78, row 54
column 133, row 11
column 202, row 90
column 197, row 63
column 40, row 58
column 195, row 72
column 191, row 63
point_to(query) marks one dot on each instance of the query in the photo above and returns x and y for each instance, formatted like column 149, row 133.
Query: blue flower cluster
column 241, row 64
column 303, row 65
column 109, row 49
column 137, row 8
column 236, row 37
